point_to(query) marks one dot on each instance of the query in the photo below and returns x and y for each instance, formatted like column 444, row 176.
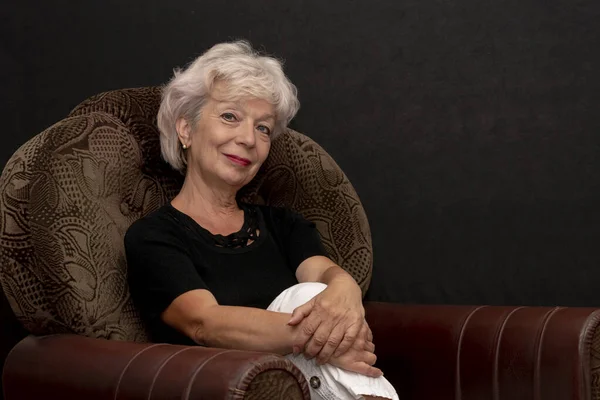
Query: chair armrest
column 447, row 352
column 75, row 367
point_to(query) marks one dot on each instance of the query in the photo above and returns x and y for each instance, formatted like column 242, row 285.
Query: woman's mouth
column 238, row 160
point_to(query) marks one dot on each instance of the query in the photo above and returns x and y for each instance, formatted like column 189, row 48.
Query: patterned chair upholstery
column 69, row 194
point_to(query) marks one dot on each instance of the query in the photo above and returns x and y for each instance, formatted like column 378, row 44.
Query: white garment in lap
column 336, row 383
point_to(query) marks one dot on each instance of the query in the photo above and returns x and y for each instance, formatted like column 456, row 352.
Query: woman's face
column 230, row 142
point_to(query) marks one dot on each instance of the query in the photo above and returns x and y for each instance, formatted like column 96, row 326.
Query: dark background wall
column 469, row 127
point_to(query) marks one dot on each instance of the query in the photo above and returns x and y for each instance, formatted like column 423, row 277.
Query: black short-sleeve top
column 168, row 254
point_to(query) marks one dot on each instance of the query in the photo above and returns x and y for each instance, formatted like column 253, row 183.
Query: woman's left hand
column 330, row 322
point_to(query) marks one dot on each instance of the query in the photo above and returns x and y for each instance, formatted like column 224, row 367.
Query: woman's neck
column 207, row 205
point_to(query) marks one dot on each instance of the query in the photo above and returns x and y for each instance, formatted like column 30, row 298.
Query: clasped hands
column 332, row 328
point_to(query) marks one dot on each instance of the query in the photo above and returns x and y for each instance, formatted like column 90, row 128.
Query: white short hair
column 246, row 74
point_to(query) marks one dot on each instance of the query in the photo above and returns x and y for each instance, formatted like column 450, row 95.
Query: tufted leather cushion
column 69, row 194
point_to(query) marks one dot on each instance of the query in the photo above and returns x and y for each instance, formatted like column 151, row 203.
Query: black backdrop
column 468, row 127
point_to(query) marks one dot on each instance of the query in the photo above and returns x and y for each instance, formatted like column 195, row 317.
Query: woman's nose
column 246, row 135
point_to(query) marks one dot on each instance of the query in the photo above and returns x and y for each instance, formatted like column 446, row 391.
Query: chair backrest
column 68, row 195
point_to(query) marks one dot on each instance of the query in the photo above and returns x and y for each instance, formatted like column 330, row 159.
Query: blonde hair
column 245, row 72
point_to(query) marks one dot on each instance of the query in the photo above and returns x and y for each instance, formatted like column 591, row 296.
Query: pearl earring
column 184, row 146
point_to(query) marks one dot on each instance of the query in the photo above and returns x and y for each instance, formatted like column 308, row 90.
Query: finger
column 369, row 333
column 349, row 338
column 318, row 339
column 333, row 341
column 367, row 370
column 306, row 330
column 301, row 312
column 369, row 358
column 361, row 340
column 370, row 347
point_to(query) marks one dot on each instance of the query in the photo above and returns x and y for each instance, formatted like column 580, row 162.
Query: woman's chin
column 237, row 181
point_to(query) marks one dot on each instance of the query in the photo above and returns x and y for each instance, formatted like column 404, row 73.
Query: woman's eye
column 229, row 117
column 264, row 129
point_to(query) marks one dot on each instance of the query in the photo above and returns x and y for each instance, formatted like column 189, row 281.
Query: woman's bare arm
column 198, row 315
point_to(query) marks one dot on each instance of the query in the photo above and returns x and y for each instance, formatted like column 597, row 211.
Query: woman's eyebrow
column 239, row 107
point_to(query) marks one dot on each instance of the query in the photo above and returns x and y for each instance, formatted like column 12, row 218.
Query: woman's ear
column 184, row 132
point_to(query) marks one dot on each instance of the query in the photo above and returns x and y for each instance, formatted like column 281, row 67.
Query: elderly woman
column 208, row 270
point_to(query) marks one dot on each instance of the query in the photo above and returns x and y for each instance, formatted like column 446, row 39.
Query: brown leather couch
column 69, row 194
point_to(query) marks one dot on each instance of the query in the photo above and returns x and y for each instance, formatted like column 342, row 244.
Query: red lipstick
column 238, row 160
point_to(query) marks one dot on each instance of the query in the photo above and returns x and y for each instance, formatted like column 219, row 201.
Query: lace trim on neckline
column 242, row 238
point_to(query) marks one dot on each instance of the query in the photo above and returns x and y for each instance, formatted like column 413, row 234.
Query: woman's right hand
column 360, row 357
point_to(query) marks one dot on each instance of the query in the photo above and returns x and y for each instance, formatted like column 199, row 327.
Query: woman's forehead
column 225, row 92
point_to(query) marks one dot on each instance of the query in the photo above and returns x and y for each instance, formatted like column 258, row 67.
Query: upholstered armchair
column 68, row 195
